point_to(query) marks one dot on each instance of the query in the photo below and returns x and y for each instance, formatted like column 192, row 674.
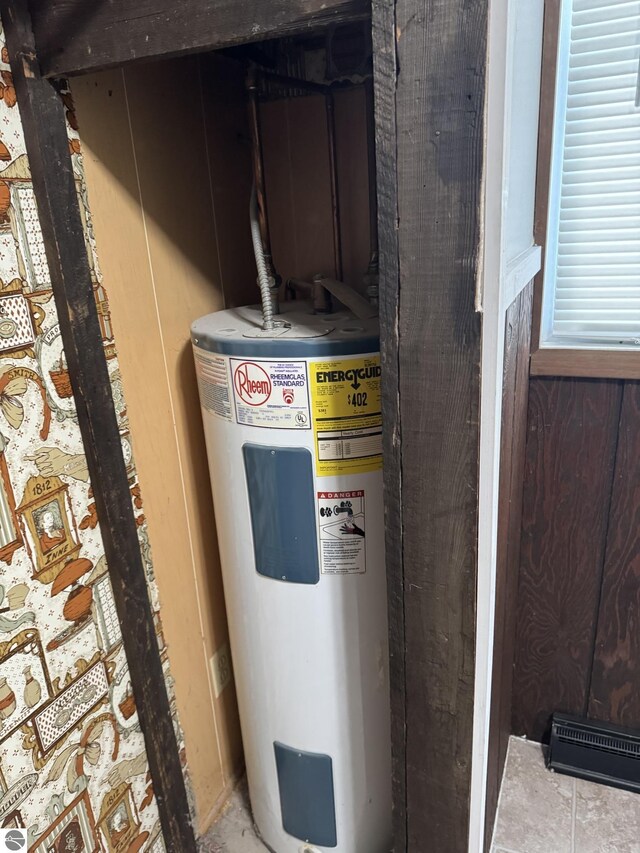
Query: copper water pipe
column 333, row 174
column 258, row 164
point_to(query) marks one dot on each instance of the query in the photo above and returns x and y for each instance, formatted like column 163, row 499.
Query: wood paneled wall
column 578, row 637
column 614, row 692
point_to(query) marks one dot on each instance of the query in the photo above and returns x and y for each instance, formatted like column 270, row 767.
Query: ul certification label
column 272, row 394
column 214, row 384
column 347, row 418
column 341, row 525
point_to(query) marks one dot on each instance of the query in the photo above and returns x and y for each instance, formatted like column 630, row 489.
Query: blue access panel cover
column 305, row 780
column 280, row 485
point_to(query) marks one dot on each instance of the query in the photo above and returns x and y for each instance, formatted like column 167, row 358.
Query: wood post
column 429, row 62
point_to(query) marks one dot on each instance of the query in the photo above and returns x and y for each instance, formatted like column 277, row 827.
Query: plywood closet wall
column 167, row 159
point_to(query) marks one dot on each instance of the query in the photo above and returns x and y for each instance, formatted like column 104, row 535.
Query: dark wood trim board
column 384, row 60
column 76, row 36
column 47, row 145
column 547, row 106
column 515, row 392
column 430, row 60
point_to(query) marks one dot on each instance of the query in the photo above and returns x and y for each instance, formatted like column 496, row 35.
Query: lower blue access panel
column 305, row 781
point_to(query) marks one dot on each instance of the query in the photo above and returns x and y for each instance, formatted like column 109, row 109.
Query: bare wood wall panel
column 296, row 155
column 571, row 445
column 229, row 153
column 297, row 183
column 615, row 679
column 183, row 254
column 432, row 344
column 151, row 202
column 515, row 392
column 353, row 183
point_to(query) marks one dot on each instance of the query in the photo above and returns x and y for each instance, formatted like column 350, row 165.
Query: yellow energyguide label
column 347, row 415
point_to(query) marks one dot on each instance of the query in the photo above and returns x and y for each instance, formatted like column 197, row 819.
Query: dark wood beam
column 384, row 67
column 43, row 121
column 76, row 36
column 430, row 61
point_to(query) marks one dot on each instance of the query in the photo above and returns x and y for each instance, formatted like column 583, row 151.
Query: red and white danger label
column 342, row 532
column 271, row 394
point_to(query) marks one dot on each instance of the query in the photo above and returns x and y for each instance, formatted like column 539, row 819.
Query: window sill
column 593, row 364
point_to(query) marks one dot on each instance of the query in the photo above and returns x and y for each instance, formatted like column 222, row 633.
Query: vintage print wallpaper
column 73, row 767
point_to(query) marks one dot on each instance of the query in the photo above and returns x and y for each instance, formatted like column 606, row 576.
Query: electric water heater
column 293, row 429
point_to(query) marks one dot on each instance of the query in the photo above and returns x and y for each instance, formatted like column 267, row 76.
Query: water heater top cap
column 300, row 333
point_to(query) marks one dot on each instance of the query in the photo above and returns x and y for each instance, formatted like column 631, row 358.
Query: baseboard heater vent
column 596, row 751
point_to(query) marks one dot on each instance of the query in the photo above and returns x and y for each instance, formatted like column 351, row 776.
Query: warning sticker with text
column 273, row 394
column 341, row 526
column 213, row 383
column 347, row 417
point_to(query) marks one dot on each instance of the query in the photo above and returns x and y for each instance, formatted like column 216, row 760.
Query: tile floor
column 544, row 812
column 538, row 812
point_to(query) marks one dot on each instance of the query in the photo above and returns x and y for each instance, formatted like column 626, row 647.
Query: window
column 591, row 290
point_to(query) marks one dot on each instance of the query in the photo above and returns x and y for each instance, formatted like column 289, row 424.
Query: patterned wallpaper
column 73, row 767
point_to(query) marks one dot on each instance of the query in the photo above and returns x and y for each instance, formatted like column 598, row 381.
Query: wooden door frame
column 429, row 71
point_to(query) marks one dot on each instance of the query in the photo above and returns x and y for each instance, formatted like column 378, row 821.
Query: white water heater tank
column 293, row 429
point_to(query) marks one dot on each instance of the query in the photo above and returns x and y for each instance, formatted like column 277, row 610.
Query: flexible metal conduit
column 263, row 275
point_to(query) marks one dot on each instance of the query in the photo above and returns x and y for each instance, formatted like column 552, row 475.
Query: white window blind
column 592, row 278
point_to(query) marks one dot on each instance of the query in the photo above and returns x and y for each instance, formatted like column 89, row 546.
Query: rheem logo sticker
column 271, row 393
column 251, row 383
